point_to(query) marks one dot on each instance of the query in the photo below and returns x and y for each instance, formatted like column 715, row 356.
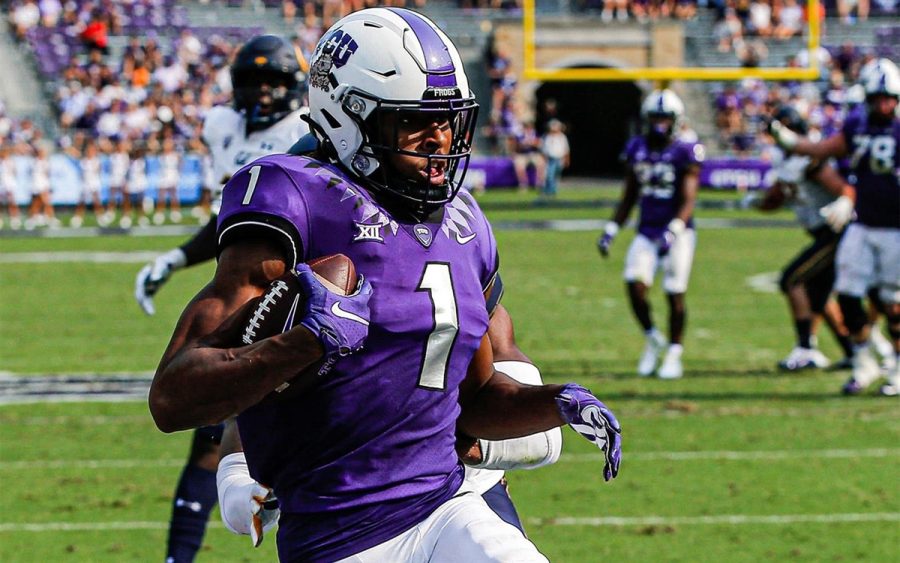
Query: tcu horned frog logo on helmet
column 336, row 51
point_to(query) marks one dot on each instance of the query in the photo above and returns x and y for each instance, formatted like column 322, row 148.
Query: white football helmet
column 881, row 77
column 856, row 95
column 381, row 61
column 875, row 64
column 662, row 104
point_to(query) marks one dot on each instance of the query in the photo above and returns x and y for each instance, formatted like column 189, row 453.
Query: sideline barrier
column 716, row 173
column 484, row 172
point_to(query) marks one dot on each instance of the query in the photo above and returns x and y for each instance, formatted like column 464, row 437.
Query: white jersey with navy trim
column 224, row 132
column 810, row 196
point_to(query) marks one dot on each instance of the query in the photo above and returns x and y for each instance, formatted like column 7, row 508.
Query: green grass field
column 735, row 462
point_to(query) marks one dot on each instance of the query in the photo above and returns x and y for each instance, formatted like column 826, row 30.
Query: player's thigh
column 641, row 261
column 678, row 264
column 855, row 262
column 466, row 529
column 462, row 529
column 886, row 243
column 813, row 262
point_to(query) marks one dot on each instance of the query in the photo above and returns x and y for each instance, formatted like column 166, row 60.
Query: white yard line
column 729, row 519
column 733, row 455
column 765, row 455
column 136, row 257
column 90, row 526
column 91, row 464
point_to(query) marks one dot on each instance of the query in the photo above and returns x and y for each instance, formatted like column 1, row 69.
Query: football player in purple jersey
column 662, row 176
column 249, row 508
column 265, row 118
column 363, row 460
column 869, row 253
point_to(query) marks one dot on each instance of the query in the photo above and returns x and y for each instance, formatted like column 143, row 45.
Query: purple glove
column 605, row 241
column 603, row 244
column 664, row 243
column 590, row 418
column 341, row 323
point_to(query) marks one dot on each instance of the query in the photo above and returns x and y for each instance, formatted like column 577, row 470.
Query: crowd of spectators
column 532, row 140
column 737, row 21
column 742, row 109
column 639, row 10
column 149, row 97
column 155, row 91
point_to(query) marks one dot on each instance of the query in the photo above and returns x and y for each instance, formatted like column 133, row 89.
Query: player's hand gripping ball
column 326, row 296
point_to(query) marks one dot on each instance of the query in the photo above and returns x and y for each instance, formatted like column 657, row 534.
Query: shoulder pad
column 219, row 122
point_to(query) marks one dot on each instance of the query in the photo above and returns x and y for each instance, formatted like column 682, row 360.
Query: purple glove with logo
column 664, row 243
column 603, row 244
column 605, row 241
column 341, row 323
column 590, row 418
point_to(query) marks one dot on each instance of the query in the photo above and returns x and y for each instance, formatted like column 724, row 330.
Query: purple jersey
column 368, row 452
column 874, row 169
column 660, row 177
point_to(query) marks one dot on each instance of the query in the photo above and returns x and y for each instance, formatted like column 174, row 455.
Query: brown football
column 276, row 311
column 336, row 272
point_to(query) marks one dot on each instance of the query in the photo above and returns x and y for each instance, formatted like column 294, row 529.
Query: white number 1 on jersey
column 254, row 176
column 437, row 282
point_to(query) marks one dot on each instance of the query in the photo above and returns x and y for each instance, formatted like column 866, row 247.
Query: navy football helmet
column 267, row 79
column 791, row 118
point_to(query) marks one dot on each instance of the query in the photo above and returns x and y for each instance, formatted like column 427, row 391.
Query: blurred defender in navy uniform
column 265, row 118
column 809, row 185
column 662, row 176
column 869, row 253
column 363, row 459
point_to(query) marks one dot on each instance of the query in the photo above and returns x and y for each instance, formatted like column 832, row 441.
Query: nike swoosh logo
column 463, row 240
column 289, row 321
column 338, row 312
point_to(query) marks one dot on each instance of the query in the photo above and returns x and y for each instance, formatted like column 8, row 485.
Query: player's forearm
column 689, row 199
column 202, row 385
column 834, row 183
column 629, row 199
column 832, row 147
column 505, row 409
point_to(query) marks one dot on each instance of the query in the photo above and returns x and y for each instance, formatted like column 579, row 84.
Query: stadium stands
column 161, row 64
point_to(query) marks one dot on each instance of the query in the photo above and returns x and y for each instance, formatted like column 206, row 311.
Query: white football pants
column 462, row 529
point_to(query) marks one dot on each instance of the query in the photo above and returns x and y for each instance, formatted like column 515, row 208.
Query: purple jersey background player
column 383, row 476
column 660, row 176
column 875, row 165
